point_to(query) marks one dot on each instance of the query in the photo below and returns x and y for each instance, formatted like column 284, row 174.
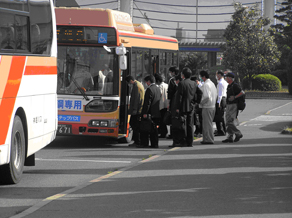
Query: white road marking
column 278, row 108
column 272, row 118
column 75, row 160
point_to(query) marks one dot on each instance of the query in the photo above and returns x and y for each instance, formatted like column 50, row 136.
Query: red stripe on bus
column 9, row 95
column 40, row 70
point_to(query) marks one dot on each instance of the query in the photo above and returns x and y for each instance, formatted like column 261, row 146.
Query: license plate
column 64, row 129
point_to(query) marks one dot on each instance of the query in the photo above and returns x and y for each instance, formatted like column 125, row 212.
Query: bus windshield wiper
column 80, row 89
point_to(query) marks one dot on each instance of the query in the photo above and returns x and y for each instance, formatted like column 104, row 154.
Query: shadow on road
column 276, row 127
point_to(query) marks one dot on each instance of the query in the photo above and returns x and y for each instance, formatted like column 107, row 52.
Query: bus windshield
column 89, row 70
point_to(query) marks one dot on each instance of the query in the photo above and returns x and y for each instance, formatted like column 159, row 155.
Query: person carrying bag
column 150, row 113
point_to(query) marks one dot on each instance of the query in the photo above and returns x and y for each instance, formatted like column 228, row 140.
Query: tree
column 250, row 49
column 194, row 61
column 283, row 36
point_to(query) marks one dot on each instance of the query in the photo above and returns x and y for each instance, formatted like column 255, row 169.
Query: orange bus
column 97, row 49
column 28, row 98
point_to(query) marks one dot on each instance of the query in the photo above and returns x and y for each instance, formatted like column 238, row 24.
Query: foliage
column 289, row 73
column 264, row 82
column 282, row 75
column 283, row 37
column 250, row 49
column 194, row 61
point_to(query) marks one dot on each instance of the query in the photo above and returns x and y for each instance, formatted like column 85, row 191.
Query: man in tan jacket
column 136, row 105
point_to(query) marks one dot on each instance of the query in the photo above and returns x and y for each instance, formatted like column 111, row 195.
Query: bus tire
column 11, row 173
column 127, row 139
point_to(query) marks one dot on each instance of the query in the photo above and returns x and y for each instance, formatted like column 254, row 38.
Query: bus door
column 124, row 98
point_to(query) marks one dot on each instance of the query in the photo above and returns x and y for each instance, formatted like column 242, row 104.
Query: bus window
column 21, row 32
column 16, row 5
column 40, row 26
column 7, row 31
column 90, row 67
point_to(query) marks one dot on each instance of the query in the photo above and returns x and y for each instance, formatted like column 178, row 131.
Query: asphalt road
column 251, row 178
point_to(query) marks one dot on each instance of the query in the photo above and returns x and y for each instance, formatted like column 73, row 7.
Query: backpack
column 240, row 102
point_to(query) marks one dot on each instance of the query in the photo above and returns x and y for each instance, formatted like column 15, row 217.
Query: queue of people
column 191, row 101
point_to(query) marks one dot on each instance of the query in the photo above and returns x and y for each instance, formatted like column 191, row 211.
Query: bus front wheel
column 11, row 173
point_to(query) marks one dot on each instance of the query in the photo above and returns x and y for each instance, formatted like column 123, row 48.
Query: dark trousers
column 189, row 117
column 153, row 134
column 162, row 126
column 178, row 136
column 135, row 124
column 220, row 125
column 198, row 121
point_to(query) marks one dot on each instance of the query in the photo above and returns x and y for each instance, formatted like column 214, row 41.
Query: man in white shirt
column 208, row 107
column 220, row 104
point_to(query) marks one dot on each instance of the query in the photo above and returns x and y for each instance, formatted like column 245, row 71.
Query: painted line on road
column 150, row 158
column 74, row 160
column 47, row 200
column 105, row 176
column 268, row 112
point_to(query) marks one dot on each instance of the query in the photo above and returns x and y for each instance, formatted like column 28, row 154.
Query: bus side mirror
column 121, row 50
column 123, row 62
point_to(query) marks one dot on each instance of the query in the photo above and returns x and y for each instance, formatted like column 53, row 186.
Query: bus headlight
column 95, row 123
column 104, row 123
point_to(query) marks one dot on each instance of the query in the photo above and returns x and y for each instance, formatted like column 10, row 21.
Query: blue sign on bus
column 69, row 118
column 102, row 37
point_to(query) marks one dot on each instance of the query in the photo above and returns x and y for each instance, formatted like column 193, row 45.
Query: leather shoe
column 228, row 140
column 220, row 134
column 206, row 143
column 169, row 137
column 238, row 137
column 154, row 146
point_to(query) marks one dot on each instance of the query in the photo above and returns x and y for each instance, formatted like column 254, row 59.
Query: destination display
column 86, row 35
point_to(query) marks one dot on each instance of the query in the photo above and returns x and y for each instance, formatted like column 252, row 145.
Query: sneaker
column 228, row 140
column 238, row 137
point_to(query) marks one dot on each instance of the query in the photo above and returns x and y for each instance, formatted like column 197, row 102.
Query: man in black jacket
column 172, row 87
column 151, row 109
column 186, row 91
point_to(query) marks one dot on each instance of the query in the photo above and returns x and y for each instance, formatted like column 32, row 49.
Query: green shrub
column 282, row 75
column 266, row 82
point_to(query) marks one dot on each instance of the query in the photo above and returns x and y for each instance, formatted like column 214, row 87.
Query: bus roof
column 108, row 18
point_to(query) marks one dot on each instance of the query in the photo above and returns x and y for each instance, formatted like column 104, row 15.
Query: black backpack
column 240, row 102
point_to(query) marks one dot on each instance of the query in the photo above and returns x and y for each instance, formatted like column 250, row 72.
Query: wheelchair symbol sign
column 102, row 37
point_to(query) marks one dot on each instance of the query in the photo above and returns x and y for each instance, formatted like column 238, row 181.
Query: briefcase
column 146, row 124
column 178, row 122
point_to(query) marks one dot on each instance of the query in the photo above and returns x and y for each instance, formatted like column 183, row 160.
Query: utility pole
column 197, row 17
column 126, row 6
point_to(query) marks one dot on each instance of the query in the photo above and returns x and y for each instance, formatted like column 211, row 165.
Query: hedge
column 264, row 82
